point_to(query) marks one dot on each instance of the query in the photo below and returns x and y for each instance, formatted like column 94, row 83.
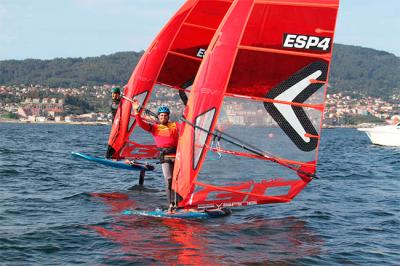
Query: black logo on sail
column 293, row 119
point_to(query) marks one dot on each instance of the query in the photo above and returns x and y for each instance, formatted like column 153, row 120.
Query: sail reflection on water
column 184, row 242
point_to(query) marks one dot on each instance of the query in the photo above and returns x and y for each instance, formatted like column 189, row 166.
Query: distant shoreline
column 14, row 121
column 342, row 126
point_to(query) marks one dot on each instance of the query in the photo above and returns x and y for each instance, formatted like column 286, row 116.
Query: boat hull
column 384, row 135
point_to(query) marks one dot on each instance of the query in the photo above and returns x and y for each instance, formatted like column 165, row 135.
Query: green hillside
column 70, row 72
column 354, row 69
column 364, row 70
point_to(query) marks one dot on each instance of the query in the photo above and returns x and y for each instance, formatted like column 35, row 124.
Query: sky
column 46, row 29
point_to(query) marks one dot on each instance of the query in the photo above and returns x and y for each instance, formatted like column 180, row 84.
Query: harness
column 167, row 155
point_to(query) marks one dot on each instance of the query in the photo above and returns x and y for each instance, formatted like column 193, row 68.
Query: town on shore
column 90, row 105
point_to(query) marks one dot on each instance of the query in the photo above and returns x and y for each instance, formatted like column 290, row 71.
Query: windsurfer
column 166, row 134
column 116, row 99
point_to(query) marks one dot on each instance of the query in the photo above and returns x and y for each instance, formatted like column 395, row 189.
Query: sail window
column 140, row 98
column 203, row 124
column 277, row 191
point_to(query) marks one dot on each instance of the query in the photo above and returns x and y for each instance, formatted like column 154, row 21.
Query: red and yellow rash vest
column 165, row 136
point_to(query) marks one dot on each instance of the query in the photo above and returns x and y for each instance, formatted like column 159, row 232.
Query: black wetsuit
column 114, row 108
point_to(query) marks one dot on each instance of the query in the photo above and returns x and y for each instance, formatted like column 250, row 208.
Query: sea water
column 57, row 210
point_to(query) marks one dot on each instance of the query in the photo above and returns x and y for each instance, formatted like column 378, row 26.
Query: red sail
column 266, row 73
column 169, row 64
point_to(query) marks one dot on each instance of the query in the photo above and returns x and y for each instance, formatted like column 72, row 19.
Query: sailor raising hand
column 166, row 136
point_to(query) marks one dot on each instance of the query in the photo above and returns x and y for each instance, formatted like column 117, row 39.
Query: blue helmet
column 163, row 109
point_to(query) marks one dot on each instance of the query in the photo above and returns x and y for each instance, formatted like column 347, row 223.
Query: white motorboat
column 384, row 135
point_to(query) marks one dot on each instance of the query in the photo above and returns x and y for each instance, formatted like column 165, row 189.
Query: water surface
column 55, row 209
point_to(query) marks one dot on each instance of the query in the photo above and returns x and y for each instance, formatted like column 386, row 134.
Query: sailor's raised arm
column 139, row 120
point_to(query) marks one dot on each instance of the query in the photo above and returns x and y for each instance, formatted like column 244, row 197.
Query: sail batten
column 199, row 26
column 299, row 3
column 186, row 56
column 284, row 52
column 313, row 106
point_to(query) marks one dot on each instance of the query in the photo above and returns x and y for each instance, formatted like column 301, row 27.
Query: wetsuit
column 114, row 107
column 166, row 138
